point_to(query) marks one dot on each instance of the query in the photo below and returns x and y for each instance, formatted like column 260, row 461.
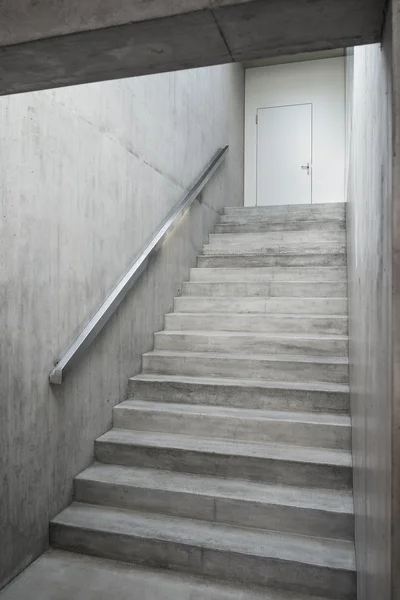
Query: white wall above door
column 284, row 155
column 320, row 83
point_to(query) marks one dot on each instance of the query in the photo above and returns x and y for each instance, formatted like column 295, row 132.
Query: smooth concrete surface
column 273, row 323
column 280, row 289
column 61, row 575
column 260, row 305
column 45, row 45
column 246, row 555
column 268, row 260
column 253, row 342
column 372, row 324
column 275, row 367
column 241, row 392
column 303, row 511
column 87, row 174
column 267, row 462
column 270, row 273
column 301, row 429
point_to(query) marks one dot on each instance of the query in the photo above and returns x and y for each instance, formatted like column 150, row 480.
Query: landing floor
column 61, row 575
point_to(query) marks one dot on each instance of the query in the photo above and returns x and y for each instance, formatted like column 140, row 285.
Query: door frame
column 312, row 139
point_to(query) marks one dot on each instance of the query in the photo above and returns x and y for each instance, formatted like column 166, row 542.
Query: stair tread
column 288, row 209
column 338, row 360
column 340, row 249
column 319, row 418
column 322, row 552
column 321, row 247
column 276, row 298
column 339, row 501
column 270, row 281
column 243, row 382
column 265, row 450
column 256, row 334
column 268, row 315
column 272, row 269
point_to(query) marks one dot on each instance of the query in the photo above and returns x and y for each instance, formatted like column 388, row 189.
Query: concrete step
column 267, row 462
column 313, row 512
column 281, row 237
column 293, row 212
column 277, row 248
column 60, row 575
column 241, row 393
column 293, row 289
column 251, row 343
column 263, row 225
column 266, row 367
column 260, row 305
column 299, row 563
column 261, row 274
column 271, row 323
column 271, row 260
column 321, row 430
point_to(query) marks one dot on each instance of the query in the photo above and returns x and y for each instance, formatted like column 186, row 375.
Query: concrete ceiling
column 51, row 43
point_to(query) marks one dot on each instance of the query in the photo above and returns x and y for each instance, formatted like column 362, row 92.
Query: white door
column 284, row 148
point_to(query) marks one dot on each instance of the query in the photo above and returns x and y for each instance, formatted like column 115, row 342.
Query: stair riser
column 300, row 221
column 315, row 212
column 273, row 260
column 272, row 289
column 317, row 274
column 245, row 368
column 256, row 323
column 306, row 306
column 240, row 397
column 203, row 561
column 249, row 344
column 265, row 226
column 289, row 519
column 222, row 465
column 280, row 237
column 276, row 249
column 235, row 428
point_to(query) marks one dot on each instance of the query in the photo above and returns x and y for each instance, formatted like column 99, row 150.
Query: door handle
column 306, row 167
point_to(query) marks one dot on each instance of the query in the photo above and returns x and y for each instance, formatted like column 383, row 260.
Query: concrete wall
column 86, row 176
column 320, row 83
column 371, row 262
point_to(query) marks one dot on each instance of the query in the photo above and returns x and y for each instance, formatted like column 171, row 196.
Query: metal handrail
column 96, row 324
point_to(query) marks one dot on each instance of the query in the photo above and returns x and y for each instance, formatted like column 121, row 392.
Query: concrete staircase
column 232, row 458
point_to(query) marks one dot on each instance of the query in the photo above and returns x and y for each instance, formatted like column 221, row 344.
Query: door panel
column 284, row 146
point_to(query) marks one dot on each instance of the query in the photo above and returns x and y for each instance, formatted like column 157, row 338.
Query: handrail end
column 56, row 376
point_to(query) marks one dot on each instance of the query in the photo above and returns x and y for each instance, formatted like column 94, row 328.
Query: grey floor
column 61, row 575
